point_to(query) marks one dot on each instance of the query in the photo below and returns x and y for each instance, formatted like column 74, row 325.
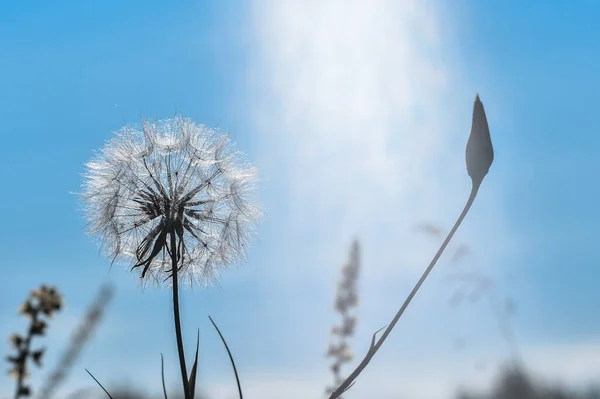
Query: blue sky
column 357, row 115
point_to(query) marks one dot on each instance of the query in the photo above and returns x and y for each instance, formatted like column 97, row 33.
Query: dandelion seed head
column 171, row 189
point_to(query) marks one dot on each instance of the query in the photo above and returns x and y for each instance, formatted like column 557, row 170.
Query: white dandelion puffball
column 171, row 192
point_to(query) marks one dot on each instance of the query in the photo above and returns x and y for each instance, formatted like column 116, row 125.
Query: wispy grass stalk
column 78, row 340
column 39, row 307
column 346, row 303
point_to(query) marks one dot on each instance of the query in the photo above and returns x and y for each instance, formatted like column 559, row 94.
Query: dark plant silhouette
column 479, row 158
column 173, row 200
column 41, row 304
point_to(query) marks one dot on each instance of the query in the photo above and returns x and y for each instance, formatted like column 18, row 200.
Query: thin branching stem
column 375, row 345
column 237, row 379
column 184, row 374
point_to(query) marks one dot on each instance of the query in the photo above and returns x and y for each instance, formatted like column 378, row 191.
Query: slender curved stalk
column 162, row 372
column 375, row 345
column 184, row 378
column 98, row 382
column 237, row 378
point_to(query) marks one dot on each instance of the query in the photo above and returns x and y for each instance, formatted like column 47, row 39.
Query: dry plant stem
column 177, row 319
column 21, row 375
column 376, row 345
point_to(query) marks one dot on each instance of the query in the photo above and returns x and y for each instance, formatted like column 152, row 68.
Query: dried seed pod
column 38, row 327
column 16, row 340
column 37, row 356
column 27, row 309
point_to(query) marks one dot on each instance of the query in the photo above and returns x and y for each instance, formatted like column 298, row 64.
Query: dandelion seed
column 168, row 190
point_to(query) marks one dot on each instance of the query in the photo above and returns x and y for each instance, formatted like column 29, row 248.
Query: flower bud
column 480, row 153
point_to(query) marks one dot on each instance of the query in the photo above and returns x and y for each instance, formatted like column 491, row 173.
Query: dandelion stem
column 375, row 346
column 177, row 319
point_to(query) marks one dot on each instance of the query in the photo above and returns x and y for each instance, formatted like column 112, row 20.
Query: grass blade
column 192, row 379
column 237, row 379
column 162, row 372
column 98, row 382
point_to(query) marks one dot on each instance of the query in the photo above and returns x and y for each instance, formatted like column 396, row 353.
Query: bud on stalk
column 480, row 153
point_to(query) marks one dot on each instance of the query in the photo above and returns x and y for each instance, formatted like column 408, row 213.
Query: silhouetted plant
column 346, row 302
column 174, row 200
column 41, row 305
column 479, row 157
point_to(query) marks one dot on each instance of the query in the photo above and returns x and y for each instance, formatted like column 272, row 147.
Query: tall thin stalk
column 479, row 157
column 184, row 375
column 376, row 345
column 41, row 303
